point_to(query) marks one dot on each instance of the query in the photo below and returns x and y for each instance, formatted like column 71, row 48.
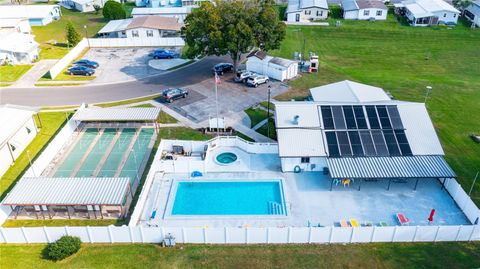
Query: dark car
column 86, row 63
column 80, row 70
column 171, row 94
column 222, row 68
column 163, row 54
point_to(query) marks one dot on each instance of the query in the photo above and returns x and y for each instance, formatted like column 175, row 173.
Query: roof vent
column 295, row 119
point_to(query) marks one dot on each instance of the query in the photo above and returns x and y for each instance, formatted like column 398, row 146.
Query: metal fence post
column 3, row 234
column 352, row 234
column 373, row 234
column 246, row 235
column 331, row 235
column 66, row 230
column 132, row 240
column 268, row 235
column 394, row 232
column 289, row 235
column 184, row 235
column 458, row 232
column 46, row 234
column 110, row 236
column 436, row 234
column 25, row 235
column 225, row 234
column 310, row 234
column 204, row 230
column 473, row 231
column 415, row 233
column 89, row 235
column 142, row 238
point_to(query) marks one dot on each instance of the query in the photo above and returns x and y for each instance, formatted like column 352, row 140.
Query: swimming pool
column 229, row 198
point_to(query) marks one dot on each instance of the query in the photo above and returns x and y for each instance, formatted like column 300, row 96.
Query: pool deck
column 309, row 200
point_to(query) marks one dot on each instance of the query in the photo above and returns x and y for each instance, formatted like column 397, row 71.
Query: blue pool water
column 229, row 198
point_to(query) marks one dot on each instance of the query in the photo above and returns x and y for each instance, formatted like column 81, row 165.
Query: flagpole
column 216, row 101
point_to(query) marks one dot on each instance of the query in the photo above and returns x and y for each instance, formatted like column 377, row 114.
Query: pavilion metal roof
column 117, row 114
column 68, row 191
column 431, row 166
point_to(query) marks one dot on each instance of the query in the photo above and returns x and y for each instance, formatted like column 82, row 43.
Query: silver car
column 243, row 75
column 254, row 81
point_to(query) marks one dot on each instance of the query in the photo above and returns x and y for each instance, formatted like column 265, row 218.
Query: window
column 319, row 13
column 379, row 13
column 13, row 147
column 134, row 33
column 366, row 12
column 454, row 15
column 28, row 130
column 149, row 33
column 305, row 160
column 444, row 15
column 308, row 12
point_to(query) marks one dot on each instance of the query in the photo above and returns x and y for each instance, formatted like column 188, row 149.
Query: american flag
column 217, row 79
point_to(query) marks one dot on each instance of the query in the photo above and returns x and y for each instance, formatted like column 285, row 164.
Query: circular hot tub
column 226, row 158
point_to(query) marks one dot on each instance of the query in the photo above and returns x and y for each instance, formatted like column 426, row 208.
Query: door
column 297, row 17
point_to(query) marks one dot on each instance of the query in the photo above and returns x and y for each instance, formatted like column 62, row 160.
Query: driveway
column 232, row 98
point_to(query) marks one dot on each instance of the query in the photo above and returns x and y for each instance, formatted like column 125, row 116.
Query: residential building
column 19, row 25
column 274, row 67
column 472, row 12
column 17, row 48
column 83, row 5
column 353, row 130
column 141, row 27
column 18, row 130
column 364, row 10
column 306, row 10
column 37, row 15
column 427, row 12
column 167, row 3
column 179, row 13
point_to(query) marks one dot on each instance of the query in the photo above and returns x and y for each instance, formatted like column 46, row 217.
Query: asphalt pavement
column 76, row 95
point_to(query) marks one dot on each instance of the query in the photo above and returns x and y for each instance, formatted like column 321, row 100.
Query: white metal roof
column 117, row 114
column 297, row 5
column 12, row 118
column 306, row 114
column 115, row 26
column 10, row 22
column 160, row 11
column 68, row 191
column 348, row 91
column 300, row 143
column 426, row 8
column 17, row 42
column 26, row 11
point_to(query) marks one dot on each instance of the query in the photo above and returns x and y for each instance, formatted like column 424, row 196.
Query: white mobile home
column 427, row 12
column 306, row 10
column 472, row 12
column 83, row 5
column 18, row 130
column 141, row 27
column 364, row 10
column 18, row 48
column 179, row 13
column 38, row 15
column 274, row 67
column 19, row 25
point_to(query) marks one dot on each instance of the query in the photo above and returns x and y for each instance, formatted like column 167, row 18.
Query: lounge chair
column 367, row 223
column 383, row 224
column 354, row 223
column 344, row 223
column 402, row 219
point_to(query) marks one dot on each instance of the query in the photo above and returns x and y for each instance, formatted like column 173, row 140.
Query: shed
column 274, row 67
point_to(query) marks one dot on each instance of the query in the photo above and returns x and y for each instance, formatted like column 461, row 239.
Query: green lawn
column 404, row 60
column 54, row 32
column 256, row 115
column 10, row 73
column 264, row 129
column 182, row 133
column 386, row 256
column 61, row 222
column 51, row 123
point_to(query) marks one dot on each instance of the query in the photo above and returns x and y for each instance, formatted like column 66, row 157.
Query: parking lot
column 232, row 98
column 121, row 64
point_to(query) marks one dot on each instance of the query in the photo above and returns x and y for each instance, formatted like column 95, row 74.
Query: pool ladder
column 275, row 208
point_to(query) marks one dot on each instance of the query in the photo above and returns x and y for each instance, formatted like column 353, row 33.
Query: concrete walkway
column 35, row 73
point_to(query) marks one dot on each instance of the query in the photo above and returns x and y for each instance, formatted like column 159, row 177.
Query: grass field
column 404, row 60
column 256, row 115
column 51, row 123
column 10, row 73
column 386, row 256
column 54, row 32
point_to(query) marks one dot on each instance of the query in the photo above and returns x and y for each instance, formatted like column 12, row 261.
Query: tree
column 97, row 8
column 232, row 28
column 113, row 11
column 73, row 36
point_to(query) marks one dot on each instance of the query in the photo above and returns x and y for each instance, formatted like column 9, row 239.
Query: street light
column 268, row 111
column 86, row 35
column 429, row 89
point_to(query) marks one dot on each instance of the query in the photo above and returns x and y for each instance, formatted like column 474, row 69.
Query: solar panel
column 338, row 117
column 379, row 143
column 392, row 144
column 360, row 117
column 327, row 117
column 395, row 117
column 403, row 142
column 356, row 144
column 332, row 144
column 383, row 116
column 349, row 117
column 367, row 143
column 372, row 117
column 344, row 143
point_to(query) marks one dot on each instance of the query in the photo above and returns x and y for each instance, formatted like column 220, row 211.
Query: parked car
column 87, row 63
column 171, row 94
column 163, row 54
column 243, row 75
column 254, row 81
column 80, row 70
column 222, row 68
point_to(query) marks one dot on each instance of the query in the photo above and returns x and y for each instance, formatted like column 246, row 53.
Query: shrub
column 73, row 36
column 113, row 11
column 63, row 247
column 97, row 8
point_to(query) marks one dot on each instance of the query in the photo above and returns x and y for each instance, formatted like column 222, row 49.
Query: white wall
column 308, row 14
column 360, row 14
column 350, row 15
column 475, row 10
column 449, row 17
column 273, row 71
column 288, row 164
column 68, row 58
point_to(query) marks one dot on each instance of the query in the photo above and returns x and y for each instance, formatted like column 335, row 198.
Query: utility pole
column 217, row 80
column 86, row 35
column 268, row 111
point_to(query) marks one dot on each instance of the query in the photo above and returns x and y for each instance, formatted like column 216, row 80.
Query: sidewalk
column 29, row 79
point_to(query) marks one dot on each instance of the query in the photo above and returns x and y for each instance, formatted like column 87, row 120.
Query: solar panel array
column 364, row 131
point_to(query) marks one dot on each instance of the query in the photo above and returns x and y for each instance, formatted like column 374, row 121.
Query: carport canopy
column 68, row 191
column 117, row 114
column 432, row 166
